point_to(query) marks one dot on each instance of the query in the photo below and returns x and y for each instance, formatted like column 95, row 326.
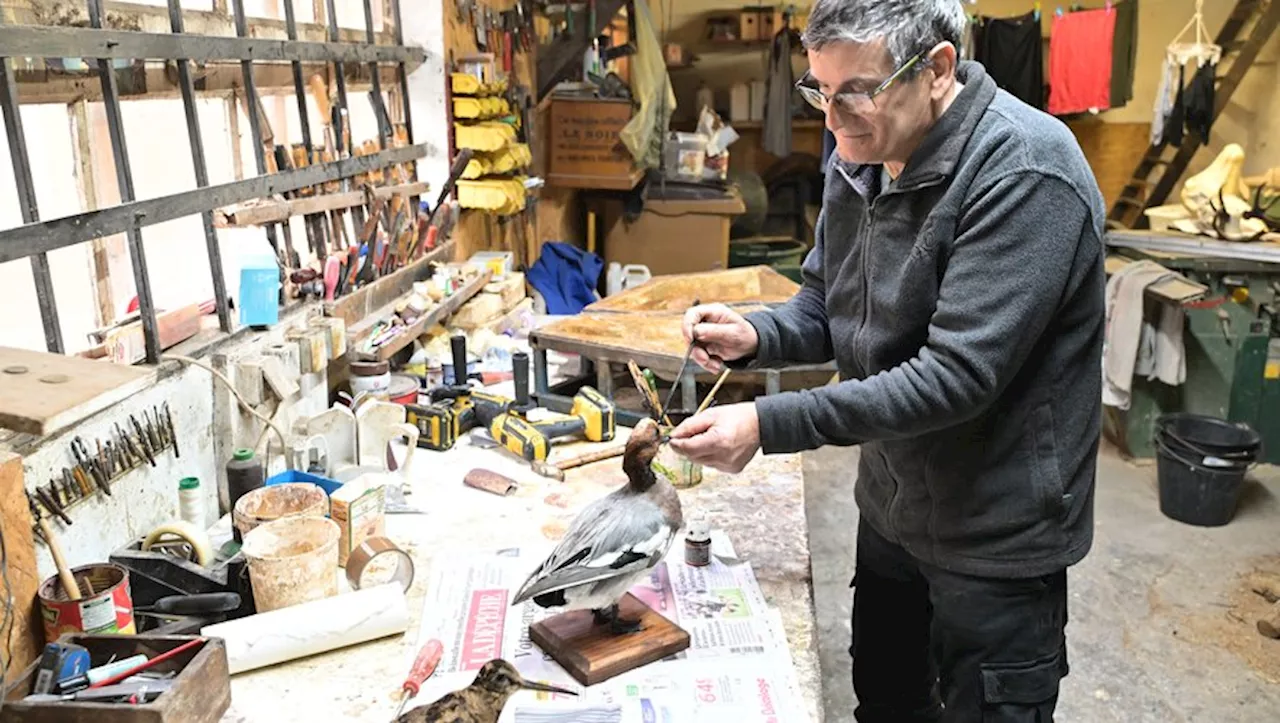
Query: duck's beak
column 530, row 685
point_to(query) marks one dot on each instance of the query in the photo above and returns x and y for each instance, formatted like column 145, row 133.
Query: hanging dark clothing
column 1177, row 116
column 1012, row 51
column 1200, row 101
column 779, row 87
column 1124, row 52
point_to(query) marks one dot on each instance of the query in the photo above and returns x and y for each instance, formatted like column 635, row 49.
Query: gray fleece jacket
column 963, row 305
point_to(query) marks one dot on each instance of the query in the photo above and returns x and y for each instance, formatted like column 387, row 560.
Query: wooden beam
column 24, row 637
column 43, row 393
column 35, row 238
column 278, row 211
column 160, row 81
column 87, row 184
column 45, row 42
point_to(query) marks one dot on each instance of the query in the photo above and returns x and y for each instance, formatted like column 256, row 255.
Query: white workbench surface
column 761, row 510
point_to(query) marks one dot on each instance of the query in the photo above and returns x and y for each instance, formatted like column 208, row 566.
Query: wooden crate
column 201, row 690
column 586, row 146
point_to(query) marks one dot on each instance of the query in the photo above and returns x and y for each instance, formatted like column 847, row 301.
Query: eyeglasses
column 849, row 102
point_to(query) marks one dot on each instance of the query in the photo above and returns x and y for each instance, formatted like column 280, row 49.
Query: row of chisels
column 137, row 441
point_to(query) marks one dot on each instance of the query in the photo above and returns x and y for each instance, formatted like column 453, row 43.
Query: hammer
column 556, row 470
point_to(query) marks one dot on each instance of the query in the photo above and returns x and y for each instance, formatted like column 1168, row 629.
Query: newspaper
column 737, row 667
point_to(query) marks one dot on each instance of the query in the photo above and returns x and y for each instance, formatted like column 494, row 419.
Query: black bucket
column 1201, row 464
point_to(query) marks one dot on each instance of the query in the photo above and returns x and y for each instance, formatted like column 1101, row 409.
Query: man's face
column 902, row 112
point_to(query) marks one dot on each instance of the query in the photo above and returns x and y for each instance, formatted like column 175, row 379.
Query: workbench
column 761, row 511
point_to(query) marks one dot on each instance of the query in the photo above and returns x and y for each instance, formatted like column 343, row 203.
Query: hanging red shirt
column 1080, row 61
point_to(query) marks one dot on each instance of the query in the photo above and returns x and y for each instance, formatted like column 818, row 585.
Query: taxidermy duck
column 614, row 542
column 480, row 702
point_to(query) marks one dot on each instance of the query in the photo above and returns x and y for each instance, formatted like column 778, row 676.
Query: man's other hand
column 723, row 438
column 722, row 335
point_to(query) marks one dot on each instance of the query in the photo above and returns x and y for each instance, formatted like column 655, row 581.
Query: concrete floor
column 1161, row 622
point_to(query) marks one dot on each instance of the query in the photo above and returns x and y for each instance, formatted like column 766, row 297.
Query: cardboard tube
column 310, row 628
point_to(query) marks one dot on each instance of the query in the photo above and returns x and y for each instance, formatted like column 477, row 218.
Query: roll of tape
column 372, row 549
column 198, row 539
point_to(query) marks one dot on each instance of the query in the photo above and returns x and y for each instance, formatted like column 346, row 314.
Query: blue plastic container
column 328, row 485
column 259, row 289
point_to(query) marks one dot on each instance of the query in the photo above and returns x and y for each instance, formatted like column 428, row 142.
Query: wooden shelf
column 278, row 211
column 442, row 311
column 357, row 305
column 604, row 183
column 796, row 123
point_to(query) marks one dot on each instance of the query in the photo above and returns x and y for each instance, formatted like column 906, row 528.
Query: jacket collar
column 939, row 152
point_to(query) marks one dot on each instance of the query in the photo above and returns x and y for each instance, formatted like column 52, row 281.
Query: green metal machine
column 1231, row 340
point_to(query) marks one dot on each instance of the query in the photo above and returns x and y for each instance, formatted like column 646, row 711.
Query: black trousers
column 931, row 645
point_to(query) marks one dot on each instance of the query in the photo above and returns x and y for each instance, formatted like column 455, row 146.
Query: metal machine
column 1232, row 340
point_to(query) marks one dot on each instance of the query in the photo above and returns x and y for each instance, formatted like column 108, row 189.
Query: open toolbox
column 193, row 685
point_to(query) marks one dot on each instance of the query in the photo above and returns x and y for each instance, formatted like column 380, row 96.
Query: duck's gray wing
column 602, row 543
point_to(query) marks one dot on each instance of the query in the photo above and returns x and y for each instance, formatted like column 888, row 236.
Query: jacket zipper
column 927, row 181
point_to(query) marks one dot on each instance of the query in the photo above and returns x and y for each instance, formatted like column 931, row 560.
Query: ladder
column 1243, row 35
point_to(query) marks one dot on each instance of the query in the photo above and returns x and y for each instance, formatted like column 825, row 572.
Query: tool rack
column 36, row 238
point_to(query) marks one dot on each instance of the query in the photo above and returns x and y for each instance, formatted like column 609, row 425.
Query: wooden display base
column 592, row 654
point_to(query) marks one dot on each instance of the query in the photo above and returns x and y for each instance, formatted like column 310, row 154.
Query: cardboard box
column 586, row 144
column 671, row 236
column 359, row 507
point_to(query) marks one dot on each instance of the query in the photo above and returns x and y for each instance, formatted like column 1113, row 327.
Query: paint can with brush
column 104, row 607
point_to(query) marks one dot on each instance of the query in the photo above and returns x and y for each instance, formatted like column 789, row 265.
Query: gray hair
column 908, row 27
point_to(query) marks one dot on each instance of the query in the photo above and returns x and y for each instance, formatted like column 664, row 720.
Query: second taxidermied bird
column 614, row 542
column 480, row 702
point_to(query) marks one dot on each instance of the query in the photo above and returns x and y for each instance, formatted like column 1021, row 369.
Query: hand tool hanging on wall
column 69, row 585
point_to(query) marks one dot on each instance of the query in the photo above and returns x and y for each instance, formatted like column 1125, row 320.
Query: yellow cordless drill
column 592, row 417
column 454, row 408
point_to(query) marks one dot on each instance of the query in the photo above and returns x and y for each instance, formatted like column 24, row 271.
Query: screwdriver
column 423, row 666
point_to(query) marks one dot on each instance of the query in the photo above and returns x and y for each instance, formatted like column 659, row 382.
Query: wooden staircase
column 1243, row 35
column 557, row 59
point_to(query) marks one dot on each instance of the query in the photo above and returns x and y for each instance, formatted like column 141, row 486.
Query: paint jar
column 676, row 468
column 697, row 545
column 370, row 378
column 292, row 561
column 403, row 389
column 191, row 501
column 105, row 606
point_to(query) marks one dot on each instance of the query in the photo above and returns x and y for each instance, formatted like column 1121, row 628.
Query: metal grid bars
column 36, row 238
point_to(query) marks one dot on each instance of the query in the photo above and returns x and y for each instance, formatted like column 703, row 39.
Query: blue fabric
column 566, row 276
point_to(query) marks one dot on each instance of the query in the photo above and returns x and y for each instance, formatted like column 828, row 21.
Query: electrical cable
column 284, row 444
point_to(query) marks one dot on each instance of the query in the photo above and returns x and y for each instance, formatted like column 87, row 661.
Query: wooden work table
column 761, row 510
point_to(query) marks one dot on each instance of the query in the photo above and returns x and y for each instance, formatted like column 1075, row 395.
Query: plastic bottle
column 191, row 501
column 259, row 289
column 244, row 475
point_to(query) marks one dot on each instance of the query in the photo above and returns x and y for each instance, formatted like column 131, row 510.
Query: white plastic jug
column 622, row 277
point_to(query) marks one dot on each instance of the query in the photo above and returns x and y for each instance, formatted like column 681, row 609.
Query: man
column 957, row 281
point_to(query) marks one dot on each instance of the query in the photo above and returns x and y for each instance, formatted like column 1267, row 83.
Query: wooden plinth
column 592, row 654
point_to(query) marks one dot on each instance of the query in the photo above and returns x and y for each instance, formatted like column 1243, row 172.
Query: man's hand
column 724, row 438
column 722, row 335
